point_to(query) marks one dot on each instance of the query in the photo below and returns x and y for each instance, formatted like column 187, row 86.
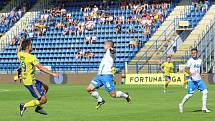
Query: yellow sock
column 32, row 103
column 167, row 83
column 185, row 82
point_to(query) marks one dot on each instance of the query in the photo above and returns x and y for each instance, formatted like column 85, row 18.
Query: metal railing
column 206, row 45
column 148, row 53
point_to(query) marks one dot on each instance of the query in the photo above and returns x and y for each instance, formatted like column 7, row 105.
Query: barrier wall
column 72, row 78
column 158, row 79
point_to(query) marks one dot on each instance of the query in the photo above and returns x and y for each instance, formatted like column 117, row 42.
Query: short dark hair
column 111, row 42
column 194, row 49
column 26, row 43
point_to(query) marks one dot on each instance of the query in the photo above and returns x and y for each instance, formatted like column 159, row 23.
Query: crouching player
column 37, row 88
column 105, row 77
column 195, row 81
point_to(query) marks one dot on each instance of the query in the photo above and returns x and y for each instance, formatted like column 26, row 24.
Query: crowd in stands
column 59, row 19
column 201, row 5
column 82, row 54
column 7, row 21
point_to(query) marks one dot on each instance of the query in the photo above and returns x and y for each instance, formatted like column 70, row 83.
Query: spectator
column 93, row 39
column 110, row 19
column 95, row 9
column 146, row 31
column 80, row 54
column 102, row 20
column 130, row 19
column 118, row 28
column 123, row 5
column 65, row 30
column 14, row 41
column 44, row 17
column 88, row 40
column 63, row 11
column 72, row 29
column 31, row 34
column 94, row 15
column 134, row 43
column 89, row 25
column 131, row 29
column 42, row 28
column 89, row 54
column 80, row 28
column 20, row 13
column 59, row 25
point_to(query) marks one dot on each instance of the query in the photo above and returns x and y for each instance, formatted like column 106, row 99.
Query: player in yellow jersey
column 167, row 68
column 113, row 69
column 28, row 63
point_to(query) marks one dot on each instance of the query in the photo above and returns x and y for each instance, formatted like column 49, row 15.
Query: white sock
column 204, row 99
column 186, row 98
column 96, row 95
column 120, row 94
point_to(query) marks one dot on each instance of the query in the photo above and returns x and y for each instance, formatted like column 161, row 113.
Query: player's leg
column 42, row 89
column 203, row 88
column 44, row 86
column 36, row 92
column 31, row 103
column 191, row 88
column 91, row 89
column 110, row 88
column 167, row 81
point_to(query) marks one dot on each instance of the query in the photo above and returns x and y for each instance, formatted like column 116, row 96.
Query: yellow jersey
column 168, row 68
column 27, row 62
column 113, row 70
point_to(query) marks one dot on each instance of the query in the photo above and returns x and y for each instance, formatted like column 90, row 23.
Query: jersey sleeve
column 34, row 60
column 107, row 54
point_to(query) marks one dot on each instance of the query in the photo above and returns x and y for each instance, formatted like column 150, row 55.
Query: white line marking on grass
column 4, row 90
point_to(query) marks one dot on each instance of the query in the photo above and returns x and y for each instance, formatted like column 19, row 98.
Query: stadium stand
column 68, row 37
column 151, row 59
column 10, row 18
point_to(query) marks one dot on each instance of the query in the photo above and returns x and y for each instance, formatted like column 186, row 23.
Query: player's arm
column 162, row 67
column 187, row 70
column 172, row 69
column 42, row 68
column 46, row 70
column 20, row 46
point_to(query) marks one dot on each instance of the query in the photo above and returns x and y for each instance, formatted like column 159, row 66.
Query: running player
column 105, row 77
column 28, row 63
column 167, row 68
column 195, row 81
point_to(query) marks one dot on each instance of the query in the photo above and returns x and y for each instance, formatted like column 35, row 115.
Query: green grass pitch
column 72, row 103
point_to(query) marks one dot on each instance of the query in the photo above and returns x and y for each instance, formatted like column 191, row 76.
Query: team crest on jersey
column 196, row 66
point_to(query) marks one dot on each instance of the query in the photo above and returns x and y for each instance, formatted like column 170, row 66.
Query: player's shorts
column 35, row 89
column 193, row 85
column 106, row 80
column 167, row 78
